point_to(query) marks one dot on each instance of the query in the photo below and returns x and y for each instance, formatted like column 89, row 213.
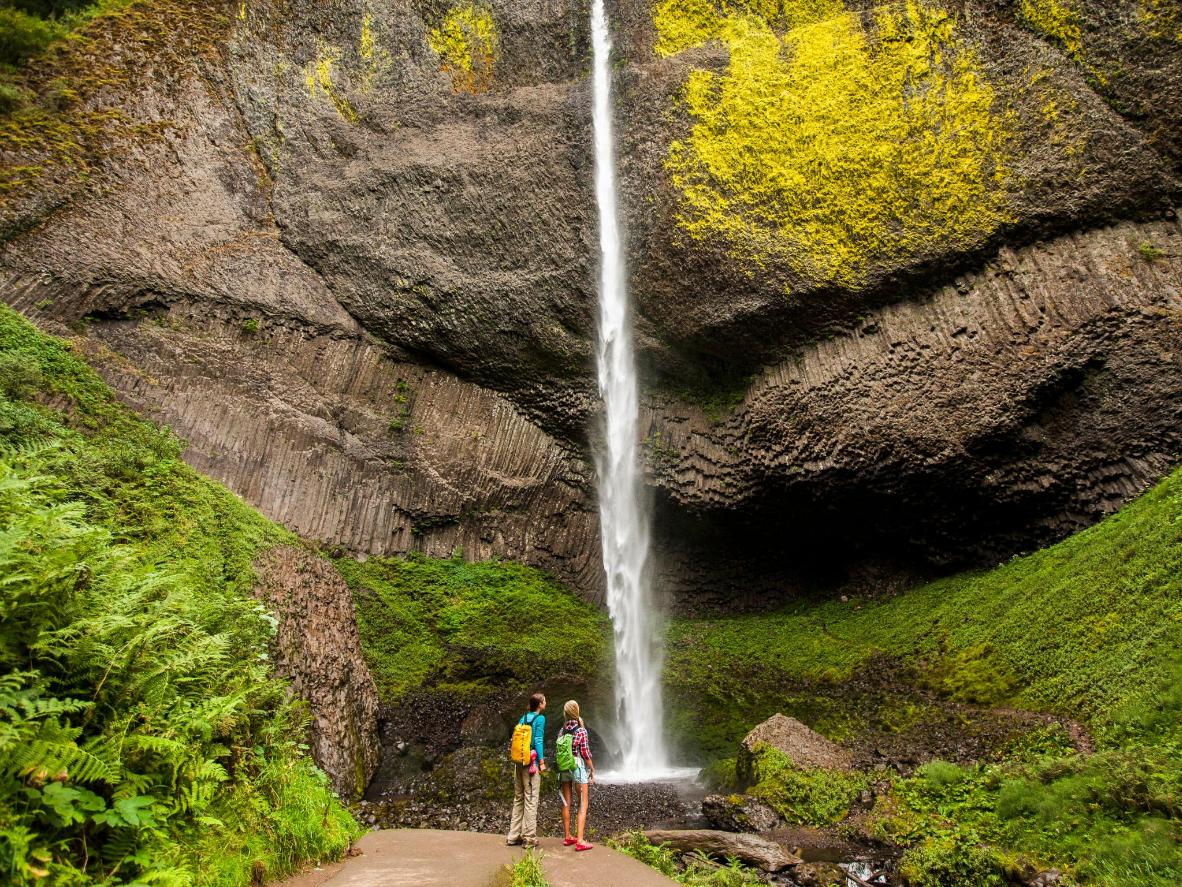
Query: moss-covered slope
column 1080, row 627
column 143, row 736
column 1089, row 630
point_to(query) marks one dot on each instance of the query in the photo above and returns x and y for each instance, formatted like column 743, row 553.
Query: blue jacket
column 537, row 724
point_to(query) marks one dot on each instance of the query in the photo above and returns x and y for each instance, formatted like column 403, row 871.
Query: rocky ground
column 614, row 808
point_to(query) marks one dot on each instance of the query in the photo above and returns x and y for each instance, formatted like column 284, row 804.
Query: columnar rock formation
column 346, row 251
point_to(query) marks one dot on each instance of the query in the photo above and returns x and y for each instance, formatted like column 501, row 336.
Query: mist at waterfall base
column 624, row 519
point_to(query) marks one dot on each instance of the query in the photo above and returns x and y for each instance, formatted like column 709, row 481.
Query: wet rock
column 802, row 745
column 815, row 845
column 739, row 813
column 819, row 874
column 1045, row 879
column 318, row 649
column 751, row 849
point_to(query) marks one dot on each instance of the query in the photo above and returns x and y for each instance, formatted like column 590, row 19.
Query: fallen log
column 750, row 849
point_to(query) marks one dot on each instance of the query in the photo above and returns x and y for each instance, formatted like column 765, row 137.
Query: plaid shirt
column 578, row 742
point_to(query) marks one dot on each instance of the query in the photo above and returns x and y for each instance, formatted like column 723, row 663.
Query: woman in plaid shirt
column 583, row 775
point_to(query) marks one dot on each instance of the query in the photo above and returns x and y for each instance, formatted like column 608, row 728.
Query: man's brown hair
column 535, row 701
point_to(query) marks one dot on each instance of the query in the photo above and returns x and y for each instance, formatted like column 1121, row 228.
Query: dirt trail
column 428, row 858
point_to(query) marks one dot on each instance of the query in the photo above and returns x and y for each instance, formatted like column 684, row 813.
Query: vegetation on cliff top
column 63, row 109
column 143, row 737
column 832, row 147
column 470, row 627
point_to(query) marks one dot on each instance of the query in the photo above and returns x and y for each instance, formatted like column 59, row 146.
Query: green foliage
column 720, row 775
column 1091, row 627
column 527, row 871
column 698, row 872
column 840, row 143
column 250, row 326
column 23, row 36
column 804, row 796
column 143, row 737
column 951, row 860
column 1150, row 252
column 972, row 675
column 466, row 43
column 470, row 625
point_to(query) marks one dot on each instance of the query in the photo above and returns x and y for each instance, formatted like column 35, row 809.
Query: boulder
column 750, row 849
column 819, row 874
column 803, row 746
column 739, row 813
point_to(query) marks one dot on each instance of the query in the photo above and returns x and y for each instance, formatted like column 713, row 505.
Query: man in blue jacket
column 527, row 778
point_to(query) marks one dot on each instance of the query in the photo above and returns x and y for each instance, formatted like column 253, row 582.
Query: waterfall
column 624, row 523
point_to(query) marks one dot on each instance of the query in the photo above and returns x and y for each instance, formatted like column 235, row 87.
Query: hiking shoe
column 513, row 842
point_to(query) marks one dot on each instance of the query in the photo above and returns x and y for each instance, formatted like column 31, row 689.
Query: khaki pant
column 524, row 825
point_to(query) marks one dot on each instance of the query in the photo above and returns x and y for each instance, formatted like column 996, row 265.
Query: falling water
column 623, row 518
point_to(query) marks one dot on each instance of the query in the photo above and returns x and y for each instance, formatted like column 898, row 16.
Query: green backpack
column 565, row 753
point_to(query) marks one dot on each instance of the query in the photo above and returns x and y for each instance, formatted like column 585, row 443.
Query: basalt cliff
column 908, row 276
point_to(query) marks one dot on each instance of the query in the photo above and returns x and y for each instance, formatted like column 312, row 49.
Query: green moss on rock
column 835, row 146
column 469, row 627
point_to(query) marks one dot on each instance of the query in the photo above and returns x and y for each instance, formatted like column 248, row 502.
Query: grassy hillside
column 1083, row 627
column 143, row 738
column 1090, row 628
column 470, row 627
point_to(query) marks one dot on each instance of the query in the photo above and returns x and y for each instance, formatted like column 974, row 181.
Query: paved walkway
column 428, row 858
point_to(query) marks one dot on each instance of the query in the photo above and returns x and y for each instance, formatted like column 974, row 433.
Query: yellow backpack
column 520, row 744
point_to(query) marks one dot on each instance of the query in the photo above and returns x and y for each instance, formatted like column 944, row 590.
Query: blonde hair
column 571, row 711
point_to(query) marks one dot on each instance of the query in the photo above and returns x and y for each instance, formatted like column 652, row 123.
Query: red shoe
column 584, row 846
column 566, row 842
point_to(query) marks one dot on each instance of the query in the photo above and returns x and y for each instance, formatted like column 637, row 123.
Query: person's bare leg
column 566, row 796
column 583, row 794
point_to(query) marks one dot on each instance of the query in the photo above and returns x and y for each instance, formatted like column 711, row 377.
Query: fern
column 143, row 738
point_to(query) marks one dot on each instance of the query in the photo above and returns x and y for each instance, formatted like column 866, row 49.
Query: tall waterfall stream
column 624, row 518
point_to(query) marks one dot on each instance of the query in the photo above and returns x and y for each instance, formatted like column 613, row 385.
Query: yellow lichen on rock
column 1056, row 19
column 466, row 43
column 318, row 76
column 1162, row 18
column 838, row 146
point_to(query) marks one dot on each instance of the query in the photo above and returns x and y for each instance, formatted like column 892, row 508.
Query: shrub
column 527, row 871
column 23, row 36
column 958, row 859
column 250, row 326
column 697, row 871
column 809, row 797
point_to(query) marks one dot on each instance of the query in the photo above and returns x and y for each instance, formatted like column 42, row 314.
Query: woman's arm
column 539, row 736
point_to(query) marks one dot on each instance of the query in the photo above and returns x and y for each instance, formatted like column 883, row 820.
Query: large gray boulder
column 805, row 747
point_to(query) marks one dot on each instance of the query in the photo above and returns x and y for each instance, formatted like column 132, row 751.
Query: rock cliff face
column 907, row 275
column 318, row 650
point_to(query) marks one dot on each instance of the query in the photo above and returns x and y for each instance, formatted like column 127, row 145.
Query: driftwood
column 751, row 849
